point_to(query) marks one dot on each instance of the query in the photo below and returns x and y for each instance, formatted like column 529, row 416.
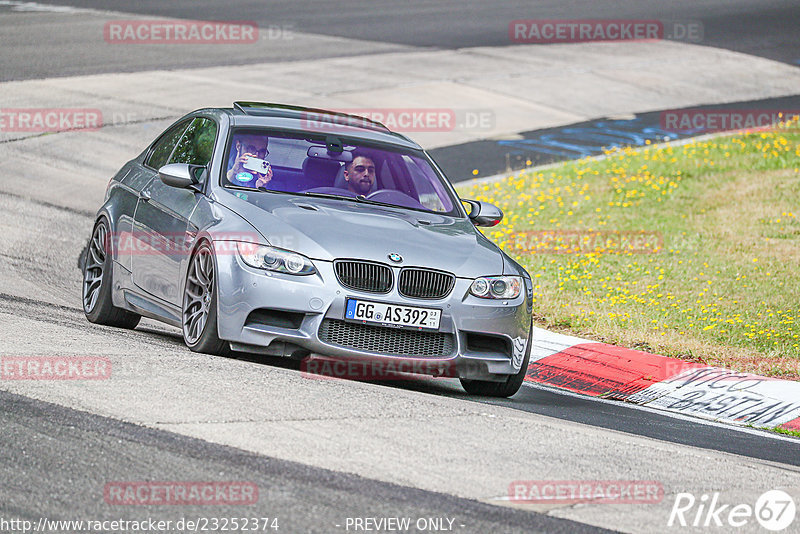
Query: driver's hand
column 263, row 179
column 241, row 160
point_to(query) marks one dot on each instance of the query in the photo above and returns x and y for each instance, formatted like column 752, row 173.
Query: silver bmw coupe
column 298, row 232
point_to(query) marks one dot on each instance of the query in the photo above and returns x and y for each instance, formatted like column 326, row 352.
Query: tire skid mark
column 73, row 211
column 72, row 317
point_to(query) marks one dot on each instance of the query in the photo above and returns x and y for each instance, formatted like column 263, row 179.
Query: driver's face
column 360, row 175
column 259, row 151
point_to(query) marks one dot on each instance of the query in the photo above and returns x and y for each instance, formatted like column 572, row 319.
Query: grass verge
column 691, row 251
column 786, row 431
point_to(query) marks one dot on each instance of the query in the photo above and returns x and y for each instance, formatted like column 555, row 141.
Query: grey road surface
column 57, row 463
column 320, row 450
column 47, row 43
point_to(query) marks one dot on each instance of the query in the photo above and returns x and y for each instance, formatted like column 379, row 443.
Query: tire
column 199, row 310
column 82, row 257
column 98, row 305
column 508, row 387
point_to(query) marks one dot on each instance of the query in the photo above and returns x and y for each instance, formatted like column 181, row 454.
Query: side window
column 386, row 177
column 425, row 190
column 163, row 148
column 197, row 143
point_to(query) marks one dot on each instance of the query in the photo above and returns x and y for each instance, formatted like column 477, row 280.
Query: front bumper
column 483, row 339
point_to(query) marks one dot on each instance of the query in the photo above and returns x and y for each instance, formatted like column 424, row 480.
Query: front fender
column 221, row 228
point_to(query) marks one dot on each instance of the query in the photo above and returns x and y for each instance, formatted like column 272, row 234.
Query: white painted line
column 698, row 419
column 37, row 7
column 725, row 395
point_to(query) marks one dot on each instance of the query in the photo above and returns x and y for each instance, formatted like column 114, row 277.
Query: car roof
column 300, row 119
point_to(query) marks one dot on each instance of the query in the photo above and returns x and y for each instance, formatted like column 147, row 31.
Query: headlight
column 275, row 259
column 496, row 287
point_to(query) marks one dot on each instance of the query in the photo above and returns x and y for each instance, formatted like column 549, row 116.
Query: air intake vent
column 425, row 284
column 279, row 318
column 384, row 340
column 363, row 275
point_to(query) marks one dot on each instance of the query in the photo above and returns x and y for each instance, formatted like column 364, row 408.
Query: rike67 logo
column 774, row 510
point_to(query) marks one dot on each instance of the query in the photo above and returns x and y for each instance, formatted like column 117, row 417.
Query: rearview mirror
column 483, row 214
column 180, row 175
column 322, row 152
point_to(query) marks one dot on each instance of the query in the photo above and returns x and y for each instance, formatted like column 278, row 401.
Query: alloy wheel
column 197, row 295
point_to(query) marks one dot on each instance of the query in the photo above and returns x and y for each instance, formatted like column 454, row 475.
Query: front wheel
column 508, row 387
column 98, row 305
column 200, row 332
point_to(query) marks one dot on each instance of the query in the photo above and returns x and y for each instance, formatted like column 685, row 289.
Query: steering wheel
column 386, row 192
column 392, row 196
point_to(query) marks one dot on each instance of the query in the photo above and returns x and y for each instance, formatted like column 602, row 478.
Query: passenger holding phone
column 249, row 168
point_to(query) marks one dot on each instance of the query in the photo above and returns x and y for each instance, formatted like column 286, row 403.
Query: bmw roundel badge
column 395, row 257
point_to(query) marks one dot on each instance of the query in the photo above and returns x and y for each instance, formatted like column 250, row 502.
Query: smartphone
column 257, row 165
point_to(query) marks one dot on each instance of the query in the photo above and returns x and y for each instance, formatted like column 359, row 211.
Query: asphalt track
column 765, row 28
column 38, row 274
column 57, row 461
column 573, row 141
column 550, row 402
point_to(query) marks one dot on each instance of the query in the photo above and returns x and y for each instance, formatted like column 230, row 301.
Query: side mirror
column 483, row 213
column 180, row 175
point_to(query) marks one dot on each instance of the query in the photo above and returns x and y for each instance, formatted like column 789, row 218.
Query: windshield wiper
column 327, row 195
column 358, row 198
column 365, row 200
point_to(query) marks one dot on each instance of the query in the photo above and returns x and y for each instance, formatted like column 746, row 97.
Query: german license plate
column 392, row 314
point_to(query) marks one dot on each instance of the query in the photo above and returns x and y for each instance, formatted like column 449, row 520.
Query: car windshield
column 287, row 163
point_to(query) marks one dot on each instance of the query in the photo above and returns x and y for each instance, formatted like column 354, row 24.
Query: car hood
column 327, row 229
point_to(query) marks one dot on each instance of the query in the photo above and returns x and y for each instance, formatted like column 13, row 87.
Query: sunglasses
column 254, row 150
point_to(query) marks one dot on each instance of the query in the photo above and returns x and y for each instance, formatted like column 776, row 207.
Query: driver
column 360, row 175
column 248, row 146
